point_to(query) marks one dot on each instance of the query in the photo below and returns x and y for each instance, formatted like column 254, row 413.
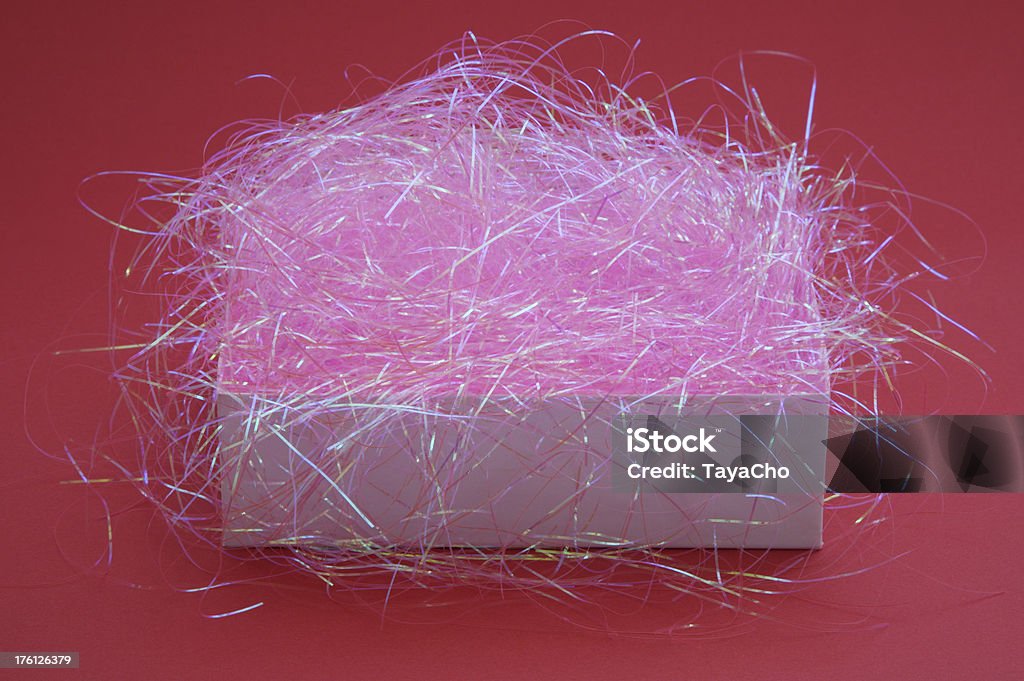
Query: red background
column 934, row 88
